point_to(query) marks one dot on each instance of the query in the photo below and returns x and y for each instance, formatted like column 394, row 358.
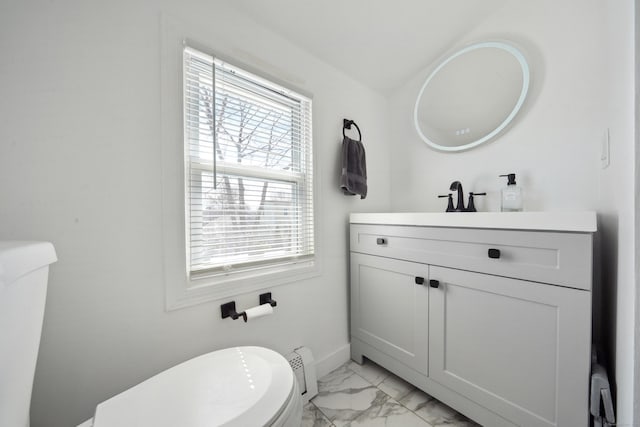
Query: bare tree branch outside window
column 252, row 212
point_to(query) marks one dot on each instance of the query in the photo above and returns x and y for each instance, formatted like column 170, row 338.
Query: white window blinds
column 248, row 167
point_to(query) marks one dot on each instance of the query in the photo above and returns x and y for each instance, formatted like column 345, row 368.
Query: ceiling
column 378, row 42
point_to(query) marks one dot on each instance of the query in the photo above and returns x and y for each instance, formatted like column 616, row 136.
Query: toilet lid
column 241, row 386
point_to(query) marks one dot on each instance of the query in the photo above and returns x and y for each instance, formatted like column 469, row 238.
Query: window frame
column 183, row 289
column 195, row 141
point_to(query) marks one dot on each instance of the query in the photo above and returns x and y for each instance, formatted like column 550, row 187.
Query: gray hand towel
column 354, row 168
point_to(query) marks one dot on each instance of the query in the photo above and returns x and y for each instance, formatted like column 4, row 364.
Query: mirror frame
column 524, row 66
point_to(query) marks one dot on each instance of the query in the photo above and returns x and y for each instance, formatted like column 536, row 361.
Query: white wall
column 553, row 145
column 581, row 55
column 617, row 206
column 636, row 391
column 80, row 166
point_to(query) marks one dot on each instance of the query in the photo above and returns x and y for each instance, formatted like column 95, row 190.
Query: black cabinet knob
column 494, row 253
column 434, row 283
column 381, row 241
column 419, row 280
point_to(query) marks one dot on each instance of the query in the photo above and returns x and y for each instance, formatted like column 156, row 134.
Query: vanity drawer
column 549, row 257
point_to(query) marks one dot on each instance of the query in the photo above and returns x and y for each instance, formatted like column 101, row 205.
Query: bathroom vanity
column 488, row 312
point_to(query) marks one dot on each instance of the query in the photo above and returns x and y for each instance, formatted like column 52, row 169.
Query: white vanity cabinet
column 494, row 322
column 389, row 310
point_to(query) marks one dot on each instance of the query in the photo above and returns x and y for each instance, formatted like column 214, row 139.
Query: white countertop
column 582, row 222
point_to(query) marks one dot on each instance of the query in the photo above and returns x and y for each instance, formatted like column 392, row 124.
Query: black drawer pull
column 494, row 253
column 434, row 283
column 381, row 241
column 419, row 280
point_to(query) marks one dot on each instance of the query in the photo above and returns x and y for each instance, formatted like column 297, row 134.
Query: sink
column 584, row 221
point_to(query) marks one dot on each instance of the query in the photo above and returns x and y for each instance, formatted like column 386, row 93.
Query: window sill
column 187, row 292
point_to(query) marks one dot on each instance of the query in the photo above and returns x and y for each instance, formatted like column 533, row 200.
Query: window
column 248, row 171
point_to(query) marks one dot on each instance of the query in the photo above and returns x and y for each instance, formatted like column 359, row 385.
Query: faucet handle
column 450, row 207
column 471, row 207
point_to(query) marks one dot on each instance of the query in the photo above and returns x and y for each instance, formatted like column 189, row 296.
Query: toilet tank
column 24, row 269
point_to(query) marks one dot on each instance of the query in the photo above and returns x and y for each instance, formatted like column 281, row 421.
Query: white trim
column 184, row 292
column 333, row 360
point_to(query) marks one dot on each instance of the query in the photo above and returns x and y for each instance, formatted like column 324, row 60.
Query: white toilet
column 243, row 386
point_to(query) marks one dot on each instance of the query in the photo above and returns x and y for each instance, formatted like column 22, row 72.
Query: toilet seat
column 241, row 386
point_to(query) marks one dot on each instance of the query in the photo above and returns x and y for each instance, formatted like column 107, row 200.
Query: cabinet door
column 519, row 348
column 389, row 310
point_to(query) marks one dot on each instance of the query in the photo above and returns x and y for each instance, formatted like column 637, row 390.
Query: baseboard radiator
column 304, row 368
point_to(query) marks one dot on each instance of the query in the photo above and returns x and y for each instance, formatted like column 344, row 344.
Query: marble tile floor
column 369, row 395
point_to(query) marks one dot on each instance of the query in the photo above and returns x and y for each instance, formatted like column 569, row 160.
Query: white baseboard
column 333, row 360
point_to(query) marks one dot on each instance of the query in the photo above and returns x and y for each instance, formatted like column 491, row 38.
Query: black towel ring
column 346, row 124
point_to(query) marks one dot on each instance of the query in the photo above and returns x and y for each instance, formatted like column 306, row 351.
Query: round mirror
column 471, row 96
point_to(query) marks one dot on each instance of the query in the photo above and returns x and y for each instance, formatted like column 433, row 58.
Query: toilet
column 24, row 270
column 242, row 386
column 234, row 387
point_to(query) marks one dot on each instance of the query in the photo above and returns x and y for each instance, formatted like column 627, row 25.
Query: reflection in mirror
column 471, row 96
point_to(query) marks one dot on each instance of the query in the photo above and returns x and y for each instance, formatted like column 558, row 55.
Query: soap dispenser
column 511, row 195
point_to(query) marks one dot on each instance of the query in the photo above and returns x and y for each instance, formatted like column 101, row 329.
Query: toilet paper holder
column 266, row 299
column 228, row 309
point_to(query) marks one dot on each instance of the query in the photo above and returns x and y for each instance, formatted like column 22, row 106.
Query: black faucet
column 450, row 202
column 471, row 207
column 457, row 186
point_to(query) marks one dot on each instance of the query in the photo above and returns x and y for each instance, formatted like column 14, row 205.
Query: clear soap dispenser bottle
column 511, row 195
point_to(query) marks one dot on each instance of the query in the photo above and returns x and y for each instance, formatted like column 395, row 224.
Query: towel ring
column 346, row 124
